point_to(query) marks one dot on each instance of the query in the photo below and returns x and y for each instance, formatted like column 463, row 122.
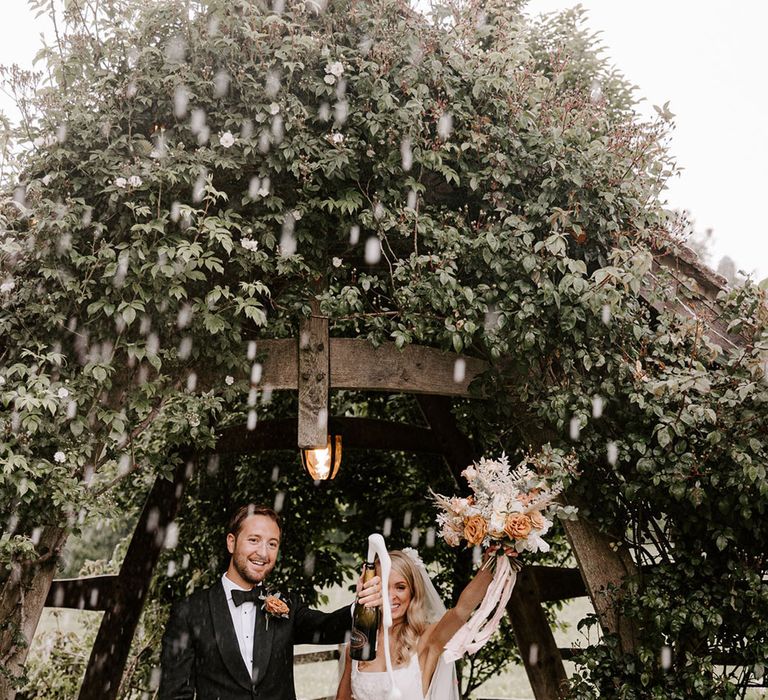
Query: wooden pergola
column 314, row 364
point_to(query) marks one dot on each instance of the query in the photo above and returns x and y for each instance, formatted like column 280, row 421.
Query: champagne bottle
column 365, row 625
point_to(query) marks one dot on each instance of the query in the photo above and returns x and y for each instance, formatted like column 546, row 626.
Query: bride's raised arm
column 472, row 595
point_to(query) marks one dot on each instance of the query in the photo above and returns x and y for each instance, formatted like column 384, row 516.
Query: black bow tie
column 240, row 597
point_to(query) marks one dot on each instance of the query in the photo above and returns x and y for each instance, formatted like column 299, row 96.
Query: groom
column 231, row 641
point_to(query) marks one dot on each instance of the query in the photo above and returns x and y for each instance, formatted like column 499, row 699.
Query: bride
column 421, row 627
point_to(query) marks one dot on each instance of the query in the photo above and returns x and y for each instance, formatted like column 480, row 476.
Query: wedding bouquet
column 509, row 507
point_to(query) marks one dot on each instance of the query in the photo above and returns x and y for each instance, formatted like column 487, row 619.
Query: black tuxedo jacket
column 201, row 657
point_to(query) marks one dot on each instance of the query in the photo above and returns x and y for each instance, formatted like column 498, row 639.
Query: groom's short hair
column 246, row 511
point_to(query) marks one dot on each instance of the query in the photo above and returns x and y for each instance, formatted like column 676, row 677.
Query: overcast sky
column 703, row 56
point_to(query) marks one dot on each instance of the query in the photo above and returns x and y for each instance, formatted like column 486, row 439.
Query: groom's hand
column 369, row 594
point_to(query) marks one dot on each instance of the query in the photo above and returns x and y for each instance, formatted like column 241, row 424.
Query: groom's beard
column 242, row 565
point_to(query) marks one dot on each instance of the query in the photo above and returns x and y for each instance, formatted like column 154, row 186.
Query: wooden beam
column 538, row 649
column 313, row 382
column 356, row 364
column 605, row 564
column 113, row 642
column 86, row 593
column 558, row 582
column 415, row 369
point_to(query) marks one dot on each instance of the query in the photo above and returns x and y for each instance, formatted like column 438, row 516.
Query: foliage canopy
column 194, row 175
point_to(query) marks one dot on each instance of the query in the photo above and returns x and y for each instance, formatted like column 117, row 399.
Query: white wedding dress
column 375, row 685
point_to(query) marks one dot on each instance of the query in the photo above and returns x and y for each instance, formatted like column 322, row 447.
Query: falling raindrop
column 185, row 561
column 429, row 540
column 253, row 396
column 596, row 91
column 412, row 200
column 124, row 464
column 378, row 211
column 278, row 6
column 415, row 537
column 324, row 112
column 459, row 370
column 279, row 501
column 20, row 195
column 171, row 536
column 122, row 270
column 597, row 406
column 287, row 238
column 354, row 234
column 477, row 556
column 71, row 409
column 36, row 532
column 309, row 564
column 256, row 373
column 491, row 319
column 153, row 520
column 176, row 50
column 58, row 598
column 272, row 84
column 145, row 325
column 61, row 133
column 406, row 153
column 153, row 344
column 407, row 518
column 386, row 530
column 171, row 570
column 575, row 430
column 277, row 129
column 364, row 45
column 185, row 347
column 198, row 189
column 181, row 103
column 246, row 129
column 445, row 126
column 275, row 474
column 197, row 120
column 251, row 350
column 221, row 83
column 372, row 250
column 606, row 314
column 212, row 467
column 184, row 316
column 533, row 654
column 666, row 657
column 613, row 453
column 340, row 111
column 192, row 381
column 251, row 422
column 266, row 394
column 265, row 141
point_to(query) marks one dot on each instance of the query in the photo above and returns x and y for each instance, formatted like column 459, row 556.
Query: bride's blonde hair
column 406, row 635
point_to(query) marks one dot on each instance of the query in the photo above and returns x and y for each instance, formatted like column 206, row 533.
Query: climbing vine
column 190, row 176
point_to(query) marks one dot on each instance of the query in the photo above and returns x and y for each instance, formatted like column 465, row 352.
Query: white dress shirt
column 243, row 620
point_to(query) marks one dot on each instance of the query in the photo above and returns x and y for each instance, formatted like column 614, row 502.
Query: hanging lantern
column 322, row 463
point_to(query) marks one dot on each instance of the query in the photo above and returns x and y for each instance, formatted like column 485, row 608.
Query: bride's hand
column 493, row 551
column 369, row 593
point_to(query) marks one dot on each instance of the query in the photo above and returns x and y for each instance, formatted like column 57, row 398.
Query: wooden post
column 538, row 649
column 113, row 642
column 314, row 382
column 604, row 565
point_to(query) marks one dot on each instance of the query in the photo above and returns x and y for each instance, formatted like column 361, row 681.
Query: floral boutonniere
column 274, row 606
